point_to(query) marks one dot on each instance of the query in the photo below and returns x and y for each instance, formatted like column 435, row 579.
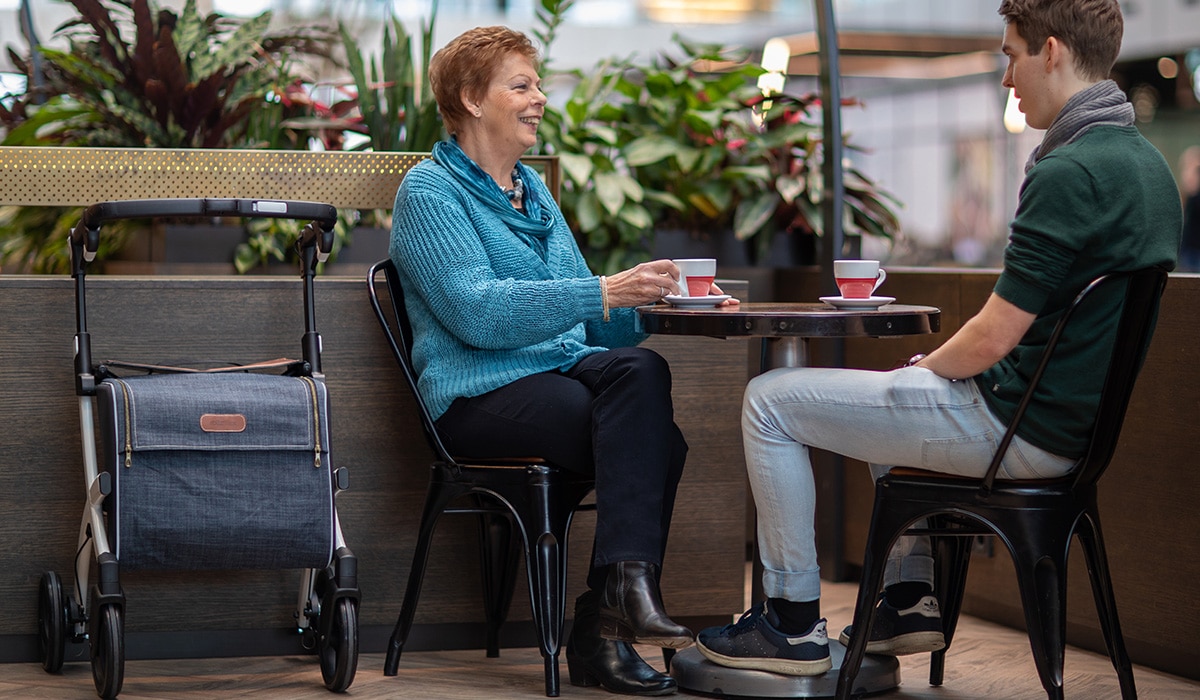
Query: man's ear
column 1057, row 54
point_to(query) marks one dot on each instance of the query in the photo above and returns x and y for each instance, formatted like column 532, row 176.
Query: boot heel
column 579, row 675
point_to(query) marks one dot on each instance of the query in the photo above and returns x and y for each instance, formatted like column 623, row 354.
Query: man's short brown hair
column 1092, row 29
column 468, row 63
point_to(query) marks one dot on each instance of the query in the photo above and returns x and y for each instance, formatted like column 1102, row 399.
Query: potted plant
column 389, row 103
column 689, row 145
column 135, row 75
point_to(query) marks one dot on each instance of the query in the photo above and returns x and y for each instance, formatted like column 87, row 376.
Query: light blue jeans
column 908, row 417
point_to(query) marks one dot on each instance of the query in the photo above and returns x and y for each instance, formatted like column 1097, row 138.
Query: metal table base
column 695, row 673
column 785, row 330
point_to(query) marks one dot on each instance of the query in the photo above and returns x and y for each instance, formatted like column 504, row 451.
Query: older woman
column 522, row 350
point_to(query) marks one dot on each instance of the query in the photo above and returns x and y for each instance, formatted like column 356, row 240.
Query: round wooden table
column 785, row 329
column 786, row 326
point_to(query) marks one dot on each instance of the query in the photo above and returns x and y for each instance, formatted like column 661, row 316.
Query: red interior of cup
column 856, row 288
column 699, row 286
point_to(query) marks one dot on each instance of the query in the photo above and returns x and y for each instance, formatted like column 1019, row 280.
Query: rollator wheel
column 108, row 652
column 52, row 622
column 338, row 650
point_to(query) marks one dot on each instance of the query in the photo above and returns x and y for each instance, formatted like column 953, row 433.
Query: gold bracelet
column 604, row 295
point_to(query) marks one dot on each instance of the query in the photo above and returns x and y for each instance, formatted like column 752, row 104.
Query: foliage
column 395, row 100
column 690, row 143
column 390, row 103
column 274, row 240
column 181, row 81
column 134, row 75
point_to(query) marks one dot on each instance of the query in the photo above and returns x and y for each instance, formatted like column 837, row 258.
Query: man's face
column 1027, row 75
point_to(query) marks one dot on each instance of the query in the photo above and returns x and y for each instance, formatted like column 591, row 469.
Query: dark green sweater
column 1106, row 202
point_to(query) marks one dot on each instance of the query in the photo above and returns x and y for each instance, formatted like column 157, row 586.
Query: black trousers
column 609, row 415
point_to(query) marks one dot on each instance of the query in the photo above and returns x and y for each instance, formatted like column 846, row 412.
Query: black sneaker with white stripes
column 753, row 642
column 898, row 632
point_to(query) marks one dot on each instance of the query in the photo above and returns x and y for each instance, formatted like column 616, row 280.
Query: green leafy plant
column 690, row 143
column 604, row 204
column 135, row 75
column 389, row 102
column 394, row 98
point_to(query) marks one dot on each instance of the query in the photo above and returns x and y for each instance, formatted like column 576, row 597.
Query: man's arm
column 981, row 342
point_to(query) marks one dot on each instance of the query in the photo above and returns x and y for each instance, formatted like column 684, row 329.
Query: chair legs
column 499, row 553
column 435, row 502
column 878, row 545
column 543, row 514
column 1106, row 604
column 1041, row 578
column 546, row 567
column 1039, row 540
column 952, row 555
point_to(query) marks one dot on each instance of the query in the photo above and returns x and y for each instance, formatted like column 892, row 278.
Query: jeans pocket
column 965, row 455
column 1024, row 461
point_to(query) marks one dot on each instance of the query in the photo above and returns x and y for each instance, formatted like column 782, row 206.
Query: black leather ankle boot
column 593, row 660
column 632, row 610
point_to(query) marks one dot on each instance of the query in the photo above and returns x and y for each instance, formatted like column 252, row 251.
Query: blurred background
column 929, row 126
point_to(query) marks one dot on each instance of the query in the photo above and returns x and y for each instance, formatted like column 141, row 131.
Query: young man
column 1097, row 198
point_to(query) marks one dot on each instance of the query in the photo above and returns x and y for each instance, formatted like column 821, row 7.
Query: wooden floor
column 986, row 661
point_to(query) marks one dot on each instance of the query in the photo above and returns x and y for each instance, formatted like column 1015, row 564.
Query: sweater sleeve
column 1046, row 234
column 622, row 328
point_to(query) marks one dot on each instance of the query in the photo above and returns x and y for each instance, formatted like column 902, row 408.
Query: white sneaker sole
column 790, row 667
column 904, row 644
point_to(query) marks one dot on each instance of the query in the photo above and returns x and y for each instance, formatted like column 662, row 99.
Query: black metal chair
column 1034, row 518
column 530, row 494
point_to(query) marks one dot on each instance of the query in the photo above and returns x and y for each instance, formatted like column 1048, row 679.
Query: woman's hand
column 714, row 290
column 648, row 283
column 644, row 284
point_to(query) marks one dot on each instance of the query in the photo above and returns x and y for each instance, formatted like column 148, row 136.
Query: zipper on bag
column 312, row 390
column 128, row 424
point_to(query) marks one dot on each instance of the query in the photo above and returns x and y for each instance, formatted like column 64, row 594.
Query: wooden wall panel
column 376, row 435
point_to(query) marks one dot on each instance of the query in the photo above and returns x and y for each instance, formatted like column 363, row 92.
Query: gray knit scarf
column 1102, row 103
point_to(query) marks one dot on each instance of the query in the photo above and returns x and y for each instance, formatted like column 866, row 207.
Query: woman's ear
column 471, row 106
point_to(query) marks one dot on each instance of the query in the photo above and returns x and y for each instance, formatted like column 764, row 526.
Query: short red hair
column 466, row 65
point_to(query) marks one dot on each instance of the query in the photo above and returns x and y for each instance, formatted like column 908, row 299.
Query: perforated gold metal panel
column 56, row 176
column 53, row 176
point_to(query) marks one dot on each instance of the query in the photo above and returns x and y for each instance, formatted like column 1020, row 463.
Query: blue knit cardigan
column 487, row 309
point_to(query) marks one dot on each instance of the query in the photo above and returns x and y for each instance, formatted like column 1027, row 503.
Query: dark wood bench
column 376, row 433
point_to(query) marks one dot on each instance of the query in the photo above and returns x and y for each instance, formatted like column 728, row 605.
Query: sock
column 791, row 617
column 905, row 594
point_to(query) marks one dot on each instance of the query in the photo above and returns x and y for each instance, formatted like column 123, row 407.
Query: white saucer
column 839, row 302
column 710, row 300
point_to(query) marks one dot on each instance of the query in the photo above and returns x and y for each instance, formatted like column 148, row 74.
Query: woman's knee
column 644, row 360
column 635, row 370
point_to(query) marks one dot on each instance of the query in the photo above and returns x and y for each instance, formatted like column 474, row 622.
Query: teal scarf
column 533, row 226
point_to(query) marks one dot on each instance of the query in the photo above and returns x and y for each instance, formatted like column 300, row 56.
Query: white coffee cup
column 858, row 279
column 696, row 276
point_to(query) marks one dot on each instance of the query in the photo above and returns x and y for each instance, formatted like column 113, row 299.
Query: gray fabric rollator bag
column 217, row 471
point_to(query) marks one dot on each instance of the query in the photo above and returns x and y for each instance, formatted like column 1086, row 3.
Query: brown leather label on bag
column 222, row 422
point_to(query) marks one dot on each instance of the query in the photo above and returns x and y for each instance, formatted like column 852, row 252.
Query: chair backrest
column 396, row 328
column 1135, row 327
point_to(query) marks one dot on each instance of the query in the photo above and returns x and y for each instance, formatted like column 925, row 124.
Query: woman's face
column 511, row 109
